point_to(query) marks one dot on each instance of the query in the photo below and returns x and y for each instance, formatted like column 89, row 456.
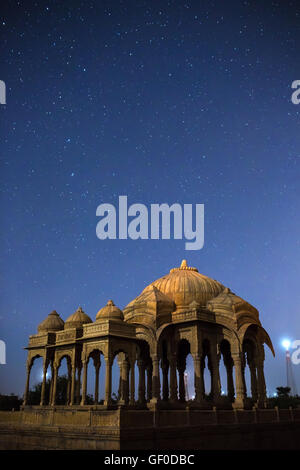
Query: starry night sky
column 162, row 101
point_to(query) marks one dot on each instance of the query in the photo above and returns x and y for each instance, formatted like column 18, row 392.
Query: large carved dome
column 183, row 288
column 185, row 285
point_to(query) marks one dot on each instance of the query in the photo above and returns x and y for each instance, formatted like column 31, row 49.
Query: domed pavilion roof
column 229, row 303
column 52, row 322
column 77, row 319
column 151, row 305
column 185, row 285
column 109, row 312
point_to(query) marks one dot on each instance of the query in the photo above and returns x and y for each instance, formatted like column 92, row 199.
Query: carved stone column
column 132, row 382
column 173, row 379
column 155, row 380
column 243, row 372
column 141, row 366
column 149, row 382
column 84, row 382
column 230, row 384
column 216, row 383
column 253, row 376
column 51, row 383
column 43, row 391
column 240, row 393
column 165, row 387
column 120, row 364
column 69, row 383
column 54, row 384
column 198, row 379
column 78, row 385
column 261, row 383
column 108, row 366
column 97, row 370
column 124, row 381
column 72, row 400
column 26, row 393
column 181, row 369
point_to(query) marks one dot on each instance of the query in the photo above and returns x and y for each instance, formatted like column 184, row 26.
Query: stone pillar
column 155, row 380
column 230, row 385
column 253, row 376
column 69, row 383
column 240, row 393
column 181, row 369
column 97, row 370
column 243, row 372
column 26, row 393
column 165, row 386
column 72, row 400
column 149, row 382
column 261, row 385
column 216, row 383
column 51, row 384
column 54, row 384
column 84, row 382
column 198, row 379
column 43, row 391
column 120, row 364
column 108, row 366
column 141, row 366
column 132, row 382
column 124, row 381
column 78, row 385
column 173, row 379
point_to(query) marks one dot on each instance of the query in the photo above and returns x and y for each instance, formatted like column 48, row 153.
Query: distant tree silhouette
column 34, row 397
column 283, row 399
column 61, row 392
column 10, row 402
column 283, row 392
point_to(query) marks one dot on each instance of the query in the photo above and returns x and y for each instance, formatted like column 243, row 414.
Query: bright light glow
column 275, row 394
column 47, row 375
column 286, row 344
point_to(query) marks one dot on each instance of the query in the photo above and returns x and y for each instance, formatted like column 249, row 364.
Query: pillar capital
column 109, row 360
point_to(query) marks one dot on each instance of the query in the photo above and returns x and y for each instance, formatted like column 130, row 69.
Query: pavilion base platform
column 93, row 428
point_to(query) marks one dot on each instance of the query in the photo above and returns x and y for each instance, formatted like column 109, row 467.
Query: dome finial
column 184, row 267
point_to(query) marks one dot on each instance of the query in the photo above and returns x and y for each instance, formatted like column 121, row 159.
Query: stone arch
column 63, row 381
column 258, row 332
column 183, row 351
column 95, row 375
column 145, row 333
column 250, row 354
column 120, row 375
column 145, row 369
column 35, row 367
column 225, row 351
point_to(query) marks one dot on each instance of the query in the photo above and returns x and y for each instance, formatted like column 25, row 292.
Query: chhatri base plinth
column 94, row 429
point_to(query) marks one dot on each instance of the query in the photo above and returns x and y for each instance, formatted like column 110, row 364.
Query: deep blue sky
column 165, row 101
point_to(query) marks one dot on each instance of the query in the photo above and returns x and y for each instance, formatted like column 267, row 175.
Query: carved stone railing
column 66, row 336
column 41, row 340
